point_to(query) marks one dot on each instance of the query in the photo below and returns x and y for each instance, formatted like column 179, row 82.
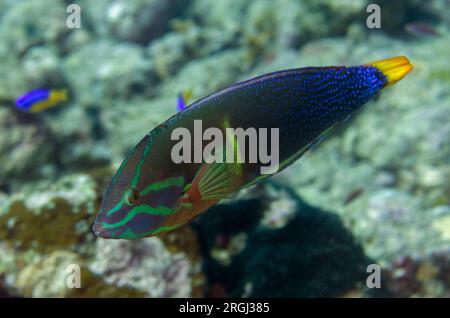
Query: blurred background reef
column 376, row 191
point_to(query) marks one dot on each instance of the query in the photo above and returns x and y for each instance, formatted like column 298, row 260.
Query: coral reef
column 20, row 34
column 143, row 265
column 136, row 21
column 121, row 70
column 312, row 255
column 418, row 276
column 24, row 153
column 376, row 190
column 29, row 219
column 46, row 228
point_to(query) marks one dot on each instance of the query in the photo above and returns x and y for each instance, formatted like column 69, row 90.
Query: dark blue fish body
column 302, row 103
column 151, row 193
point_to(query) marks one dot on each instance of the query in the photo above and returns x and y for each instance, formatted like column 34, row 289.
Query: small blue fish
column 183, row 99
column 40, row 99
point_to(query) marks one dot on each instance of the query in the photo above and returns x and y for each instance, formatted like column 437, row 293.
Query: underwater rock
column 395, row 223
column 136, row 21
column 39, row 147
column 50, row 217
column 410, row 136
column 168, row 53
column 120, row 135
column 86, row 154
column 397, row 14
column 24, row 149
column 19, row 33
column 188, row 41
column 53, row 275
column 207, row 75
column 41, row 68
column 45, row 228
column 440, row 9
column 425, row 275
column 144, row 265
column 266, row 24
column 312, row 255
column 11, row 78
column 281, row 208
column 48, row 277
column 224, row 16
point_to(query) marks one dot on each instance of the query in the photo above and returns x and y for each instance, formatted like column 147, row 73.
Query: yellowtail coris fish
column 40, row 99
column 150, row 193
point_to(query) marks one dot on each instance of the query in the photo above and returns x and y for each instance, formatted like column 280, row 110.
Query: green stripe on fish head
column 140, row 197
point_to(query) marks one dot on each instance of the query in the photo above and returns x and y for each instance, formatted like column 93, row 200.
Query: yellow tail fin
column 394, row 68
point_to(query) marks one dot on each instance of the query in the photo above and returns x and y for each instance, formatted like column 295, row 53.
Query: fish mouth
column 99, row 231
column 394, row 68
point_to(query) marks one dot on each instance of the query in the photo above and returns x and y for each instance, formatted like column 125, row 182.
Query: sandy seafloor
column 376, row 191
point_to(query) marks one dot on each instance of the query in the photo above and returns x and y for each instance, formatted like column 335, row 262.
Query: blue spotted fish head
column 140, row 197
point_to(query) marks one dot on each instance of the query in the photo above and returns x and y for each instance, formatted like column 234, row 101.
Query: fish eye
column 132, row 196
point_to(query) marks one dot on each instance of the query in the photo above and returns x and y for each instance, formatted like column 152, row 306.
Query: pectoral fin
column 216, row 181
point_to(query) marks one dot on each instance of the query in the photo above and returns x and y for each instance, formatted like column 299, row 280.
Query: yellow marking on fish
column 55, row 97
column 394, row 68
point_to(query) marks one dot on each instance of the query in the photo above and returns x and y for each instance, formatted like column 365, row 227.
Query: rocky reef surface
column 377, row 190
column 46, row 230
